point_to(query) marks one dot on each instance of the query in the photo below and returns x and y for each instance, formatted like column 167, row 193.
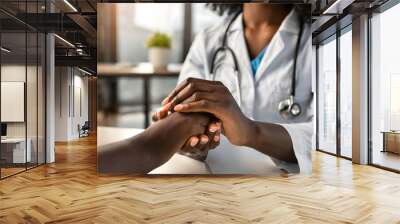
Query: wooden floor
column 70, row 191
column 5, row 172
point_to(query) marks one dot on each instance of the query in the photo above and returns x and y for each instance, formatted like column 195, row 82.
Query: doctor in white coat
column 246, row 102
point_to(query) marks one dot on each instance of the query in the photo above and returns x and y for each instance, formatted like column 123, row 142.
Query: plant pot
column 159, row 57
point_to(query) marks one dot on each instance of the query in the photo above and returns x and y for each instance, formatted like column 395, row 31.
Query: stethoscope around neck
column 287, row 108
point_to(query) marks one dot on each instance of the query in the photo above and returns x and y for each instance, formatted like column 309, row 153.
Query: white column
column 50, row 98
column 360, row 90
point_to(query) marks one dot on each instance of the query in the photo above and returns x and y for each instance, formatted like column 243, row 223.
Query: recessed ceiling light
column 65, row 41
column 337, row 7
column 84, row 71
column 70, row 5
column 5, row 50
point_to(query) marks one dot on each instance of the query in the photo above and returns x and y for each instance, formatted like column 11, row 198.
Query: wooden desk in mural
column 391, row 141
column 142, row 71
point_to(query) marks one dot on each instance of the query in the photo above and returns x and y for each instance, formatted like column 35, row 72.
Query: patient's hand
column 169, row 135
column 154, row 146
column 197, row 146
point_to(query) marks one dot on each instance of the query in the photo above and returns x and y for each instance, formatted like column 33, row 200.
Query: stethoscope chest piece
column 288, row 109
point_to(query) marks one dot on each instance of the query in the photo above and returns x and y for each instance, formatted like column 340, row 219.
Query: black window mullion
column 338, row 91
column 37, row 90
column 369, row 79
column 317, row 96
column 45, row 93
column 26, row 87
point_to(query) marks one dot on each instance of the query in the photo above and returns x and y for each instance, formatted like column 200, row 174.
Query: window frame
column 334, row 37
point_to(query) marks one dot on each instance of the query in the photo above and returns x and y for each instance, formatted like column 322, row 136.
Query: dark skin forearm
column 270, row 139
column 153, row 147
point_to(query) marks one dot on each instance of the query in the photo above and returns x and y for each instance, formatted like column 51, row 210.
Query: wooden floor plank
column 70, row 191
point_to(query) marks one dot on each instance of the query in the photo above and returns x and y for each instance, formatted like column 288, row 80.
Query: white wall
column 17, row 73
column 71, row 94
column 62, row 81
column 81, row 103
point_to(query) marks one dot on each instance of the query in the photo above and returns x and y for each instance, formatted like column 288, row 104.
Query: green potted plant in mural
column 159, row 45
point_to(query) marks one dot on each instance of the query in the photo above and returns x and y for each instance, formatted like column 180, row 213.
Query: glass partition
column 15, row 149
column 346, row 93
column 385, row 89
column 32, row 96
column 327, row 96
column 22, row 77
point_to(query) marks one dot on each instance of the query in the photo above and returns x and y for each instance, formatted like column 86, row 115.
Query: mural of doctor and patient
column 204, row 89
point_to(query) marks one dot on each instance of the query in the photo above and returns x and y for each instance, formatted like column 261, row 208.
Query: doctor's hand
column 196, row 146
column 198, row 95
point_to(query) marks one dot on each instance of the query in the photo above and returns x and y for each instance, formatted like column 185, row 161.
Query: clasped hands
column 212, row 97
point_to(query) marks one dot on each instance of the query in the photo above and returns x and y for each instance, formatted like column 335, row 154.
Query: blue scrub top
column 255, row 63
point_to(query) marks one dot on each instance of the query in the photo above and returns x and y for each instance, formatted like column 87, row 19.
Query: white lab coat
column 261, row 94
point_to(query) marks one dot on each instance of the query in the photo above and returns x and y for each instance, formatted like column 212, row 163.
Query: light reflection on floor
column 386, row 159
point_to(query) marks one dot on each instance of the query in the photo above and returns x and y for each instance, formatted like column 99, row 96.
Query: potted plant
column 159, row 45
